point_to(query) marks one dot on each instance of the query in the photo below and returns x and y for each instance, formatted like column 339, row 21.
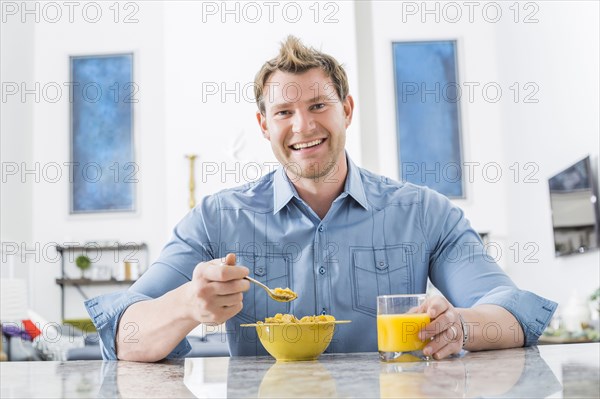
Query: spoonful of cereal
column 278, row 294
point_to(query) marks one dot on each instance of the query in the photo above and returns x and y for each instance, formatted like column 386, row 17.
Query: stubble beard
column 314, row 171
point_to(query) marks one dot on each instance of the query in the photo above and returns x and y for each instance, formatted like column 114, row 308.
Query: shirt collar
column 284, row 190
column 354, row 184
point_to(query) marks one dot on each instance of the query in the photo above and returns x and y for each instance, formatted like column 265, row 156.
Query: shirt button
column 322, row 270
column 260, row 270
column 321, row 228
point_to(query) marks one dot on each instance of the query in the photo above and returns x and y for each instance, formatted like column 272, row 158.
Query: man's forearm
column 149, row 330
column 491, row 327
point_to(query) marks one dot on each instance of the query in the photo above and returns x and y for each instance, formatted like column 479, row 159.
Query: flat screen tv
column 575, row 211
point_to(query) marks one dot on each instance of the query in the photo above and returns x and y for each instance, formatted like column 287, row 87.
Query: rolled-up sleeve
column 463, row 271
column 531, row 311
column 106, row 311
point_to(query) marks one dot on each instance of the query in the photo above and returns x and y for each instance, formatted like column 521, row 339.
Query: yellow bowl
column 290, row 342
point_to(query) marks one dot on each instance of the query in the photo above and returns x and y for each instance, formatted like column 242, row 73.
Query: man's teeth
column 306, row 145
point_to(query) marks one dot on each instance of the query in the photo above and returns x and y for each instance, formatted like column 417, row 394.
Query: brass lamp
column 192, row 184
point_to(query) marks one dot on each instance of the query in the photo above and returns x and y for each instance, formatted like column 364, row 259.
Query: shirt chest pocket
column 379, row 271
column 273, row 271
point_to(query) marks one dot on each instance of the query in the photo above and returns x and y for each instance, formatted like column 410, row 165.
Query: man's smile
column 307, row 144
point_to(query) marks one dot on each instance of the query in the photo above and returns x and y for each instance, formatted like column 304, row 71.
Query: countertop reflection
column 546, row 371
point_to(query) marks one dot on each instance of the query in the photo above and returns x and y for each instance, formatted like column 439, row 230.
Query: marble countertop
column 545, row 371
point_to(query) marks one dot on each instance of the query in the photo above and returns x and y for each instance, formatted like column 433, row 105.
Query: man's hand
column 215, row 292
column 214, row 295
column 444, row 334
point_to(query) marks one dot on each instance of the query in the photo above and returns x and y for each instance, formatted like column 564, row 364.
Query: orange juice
column 399, row 332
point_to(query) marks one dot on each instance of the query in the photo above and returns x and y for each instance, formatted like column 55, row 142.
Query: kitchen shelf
column 65, row 282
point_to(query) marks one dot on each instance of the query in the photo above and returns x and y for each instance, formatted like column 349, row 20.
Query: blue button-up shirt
column 379, row 237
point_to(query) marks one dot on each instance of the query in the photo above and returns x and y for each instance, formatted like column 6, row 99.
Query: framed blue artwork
column 102, row 152
column 428, row 115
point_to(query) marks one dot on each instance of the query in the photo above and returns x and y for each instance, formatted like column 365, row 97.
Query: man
column 336, row 234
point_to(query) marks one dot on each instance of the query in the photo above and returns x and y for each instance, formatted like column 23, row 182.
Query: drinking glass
column 398, row 326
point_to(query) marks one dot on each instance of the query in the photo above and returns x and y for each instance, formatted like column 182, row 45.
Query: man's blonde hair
column 295, row 57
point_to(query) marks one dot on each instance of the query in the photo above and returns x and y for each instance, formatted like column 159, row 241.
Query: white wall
column 560, row 55
column 16, row 132
column 16, row 129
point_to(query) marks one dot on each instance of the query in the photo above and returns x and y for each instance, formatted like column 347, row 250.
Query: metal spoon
column 230, row 260
column 271, row 292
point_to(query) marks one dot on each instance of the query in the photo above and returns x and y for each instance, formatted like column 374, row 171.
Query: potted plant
column 83, row 263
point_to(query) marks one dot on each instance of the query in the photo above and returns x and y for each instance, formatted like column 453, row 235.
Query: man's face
column 305, row 121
